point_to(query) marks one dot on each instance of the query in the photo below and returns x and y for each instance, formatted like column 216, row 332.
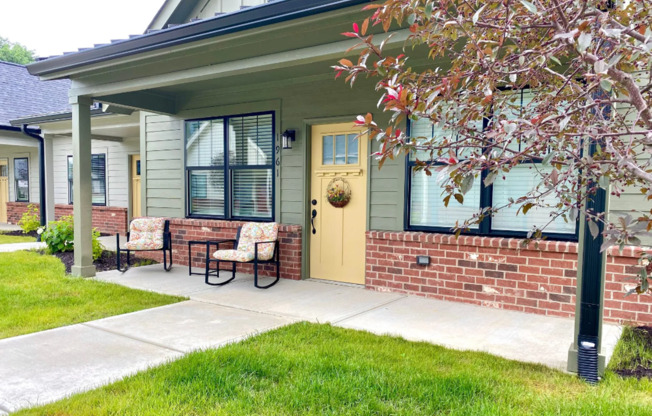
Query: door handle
column 312, row 221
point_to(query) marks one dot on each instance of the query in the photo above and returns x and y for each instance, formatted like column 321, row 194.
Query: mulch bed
column 20, row 233
column 640, row 371
column 106, row 262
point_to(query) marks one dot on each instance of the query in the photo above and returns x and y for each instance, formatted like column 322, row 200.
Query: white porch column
column 49, row 178
column 81, row 179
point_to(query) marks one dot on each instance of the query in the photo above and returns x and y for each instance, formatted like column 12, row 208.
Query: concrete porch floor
column 46, row 366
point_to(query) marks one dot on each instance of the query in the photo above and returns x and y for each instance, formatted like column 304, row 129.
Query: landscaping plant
column 59, row 237
column 30, row 220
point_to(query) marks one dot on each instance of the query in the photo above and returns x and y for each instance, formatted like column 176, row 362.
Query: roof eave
column 245, row 19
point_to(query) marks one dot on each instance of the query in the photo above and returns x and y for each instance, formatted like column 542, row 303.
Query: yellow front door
column 4, row 189
column 337, row 234
column 135, row 186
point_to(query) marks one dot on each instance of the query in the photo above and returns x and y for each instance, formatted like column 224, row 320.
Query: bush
column 59, row 236
column 98, row 248
column 31, row 220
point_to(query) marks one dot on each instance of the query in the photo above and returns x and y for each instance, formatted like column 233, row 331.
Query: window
column 229, row 167
column 426, row 210
column 98, row 179
column 340, row 149
column 21, row 179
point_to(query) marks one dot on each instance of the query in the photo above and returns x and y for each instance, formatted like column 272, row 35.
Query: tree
column 15, row 52
column 588, row 64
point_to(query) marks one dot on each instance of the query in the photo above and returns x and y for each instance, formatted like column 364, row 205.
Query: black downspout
column 592, row 283
column 41, row 172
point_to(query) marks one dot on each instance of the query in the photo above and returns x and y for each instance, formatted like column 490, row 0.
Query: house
column 22, row 93
column 241, row 120
column 115, row 143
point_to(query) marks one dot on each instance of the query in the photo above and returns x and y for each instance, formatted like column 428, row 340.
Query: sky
column 51, row 27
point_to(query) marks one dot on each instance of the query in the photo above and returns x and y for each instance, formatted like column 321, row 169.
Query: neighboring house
column 116, row 140
column 20, row 94
column 216, row 96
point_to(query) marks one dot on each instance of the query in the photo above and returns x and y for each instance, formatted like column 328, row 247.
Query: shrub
column 30, row 220
column 59, row 237
column 98, row 248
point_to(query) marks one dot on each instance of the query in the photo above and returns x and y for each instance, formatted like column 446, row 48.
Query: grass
column 36, row 294
column 321, row 370
column 11, row 239
column 633, row 350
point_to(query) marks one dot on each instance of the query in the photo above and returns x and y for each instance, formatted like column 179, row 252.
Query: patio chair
column 255, row 243
column 147, row 234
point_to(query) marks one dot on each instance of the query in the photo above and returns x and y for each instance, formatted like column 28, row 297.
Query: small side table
column 190, row 244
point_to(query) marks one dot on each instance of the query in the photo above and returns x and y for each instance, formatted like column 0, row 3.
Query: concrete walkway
column 46, row 366
column 7, row 248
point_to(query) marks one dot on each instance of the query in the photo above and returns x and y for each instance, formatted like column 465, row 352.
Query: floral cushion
column 250, row 233
column 234, row 255
column 146, row 234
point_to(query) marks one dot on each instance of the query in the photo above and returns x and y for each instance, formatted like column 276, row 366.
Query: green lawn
column 318, row 369
column 35, row 294
column 11, row 239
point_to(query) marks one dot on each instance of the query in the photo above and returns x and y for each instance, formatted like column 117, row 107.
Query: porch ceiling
column 165, row 93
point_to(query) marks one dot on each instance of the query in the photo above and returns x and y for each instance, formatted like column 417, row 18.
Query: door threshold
column 335, row 282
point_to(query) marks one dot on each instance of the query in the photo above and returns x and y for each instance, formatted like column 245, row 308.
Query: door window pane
column 327, row 150
column 340, row 149
column 352, row 149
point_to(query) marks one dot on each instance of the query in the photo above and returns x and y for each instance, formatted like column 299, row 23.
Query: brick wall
column 186, row 229
column 109, row 220
column 498, row 273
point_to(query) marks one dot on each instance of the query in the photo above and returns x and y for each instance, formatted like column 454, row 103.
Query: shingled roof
column 22, row 94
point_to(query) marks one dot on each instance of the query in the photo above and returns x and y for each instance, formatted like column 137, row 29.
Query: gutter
column 35, row 134
column 245, row 19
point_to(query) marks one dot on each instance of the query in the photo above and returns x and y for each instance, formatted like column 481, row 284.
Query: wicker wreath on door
column 338, row 192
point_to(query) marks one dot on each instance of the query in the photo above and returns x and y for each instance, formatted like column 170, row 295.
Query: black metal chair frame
column 167, row 247
column 255, row 261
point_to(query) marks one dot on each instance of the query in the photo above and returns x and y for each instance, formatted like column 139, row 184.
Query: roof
column 248, row 18
column 23, row 94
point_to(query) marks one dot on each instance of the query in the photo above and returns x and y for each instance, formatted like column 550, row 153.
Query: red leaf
column 350, row 34
column 356, row 29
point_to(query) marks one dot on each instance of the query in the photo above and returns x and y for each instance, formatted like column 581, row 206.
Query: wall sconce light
column 287, row 138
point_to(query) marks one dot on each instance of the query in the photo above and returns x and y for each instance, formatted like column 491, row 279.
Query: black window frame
column 26, row 159
column 486, row 200
column 70, row 180
column 228, row 169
